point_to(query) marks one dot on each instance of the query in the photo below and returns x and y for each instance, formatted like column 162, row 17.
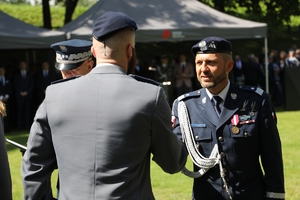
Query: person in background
column 238, row 75
column 183, row 72
column 73, row 57
column 101, row 129
column 291, row 59
column 5, row 94
column 44, row 77
column 23, row 85
column 164, row 74
column 5, row 177
column 229, row 131
column 251, row 71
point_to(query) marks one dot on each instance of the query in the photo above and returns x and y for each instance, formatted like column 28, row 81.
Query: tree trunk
column 219, row 5
column 46, row 14
column 70, row 7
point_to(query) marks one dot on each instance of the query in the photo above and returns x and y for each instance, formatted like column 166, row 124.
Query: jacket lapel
column 207, row 109
column 231, row 104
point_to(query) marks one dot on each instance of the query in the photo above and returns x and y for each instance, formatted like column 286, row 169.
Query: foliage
column 178, row 187
column 275, row 13
column 33, row 14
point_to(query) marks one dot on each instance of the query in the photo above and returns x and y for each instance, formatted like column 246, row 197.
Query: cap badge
column 212, row 45
column 202, row 46
column 63, row 48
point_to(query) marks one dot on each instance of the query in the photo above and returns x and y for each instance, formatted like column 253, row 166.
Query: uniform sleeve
column 168, row 152
column 271, row 154
column 39, row 159
column 175, row 120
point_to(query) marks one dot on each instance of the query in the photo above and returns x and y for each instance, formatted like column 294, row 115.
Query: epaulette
column 255, row 89
column 64, row 80
column 143, row 79
column 189, row 95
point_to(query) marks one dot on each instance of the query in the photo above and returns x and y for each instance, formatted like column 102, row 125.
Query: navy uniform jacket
column 240, row 152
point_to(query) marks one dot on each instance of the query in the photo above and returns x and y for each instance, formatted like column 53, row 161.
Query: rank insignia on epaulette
column 144, row 79
column 64, row 80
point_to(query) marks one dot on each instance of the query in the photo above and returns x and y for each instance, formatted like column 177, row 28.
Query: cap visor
column 63, row 66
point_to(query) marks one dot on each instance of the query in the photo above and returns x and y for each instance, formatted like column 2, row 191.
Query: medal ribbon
column 235, row 120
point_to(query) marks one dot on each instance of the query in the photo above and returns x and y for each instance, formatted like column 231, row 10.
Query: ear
column 93, row 51
column 229, row 65
column 91, row 64
column 129, row 51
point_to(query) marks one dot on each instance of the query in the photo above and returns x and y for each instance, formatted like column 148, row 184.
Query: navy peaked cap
column 110, row 23
column 71, row 54
column 212, row 45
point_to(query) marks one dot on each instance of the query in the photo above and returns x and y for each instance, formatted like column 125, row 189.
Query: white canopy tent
column 15, row 34
column 170, row 20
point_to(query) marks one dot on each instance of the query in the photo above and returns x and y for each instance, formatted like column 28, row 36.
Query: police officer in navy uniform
column 73, row 57
column 242, row 126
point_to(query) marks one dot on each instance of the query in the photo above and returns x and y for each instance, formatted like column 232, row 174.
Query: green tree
column 274, row 12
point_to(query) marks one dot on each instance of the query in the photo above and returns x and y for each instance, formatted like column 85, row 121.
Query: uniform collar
column 222, row 94
column 107, row 68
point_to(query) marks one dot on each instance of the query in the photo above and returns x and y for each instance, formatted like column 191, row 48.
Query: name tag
column 198, row 125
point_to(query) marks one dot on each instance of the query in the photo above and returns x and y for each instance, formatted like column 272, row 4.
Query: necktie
column 216, row 101
column 183, row 68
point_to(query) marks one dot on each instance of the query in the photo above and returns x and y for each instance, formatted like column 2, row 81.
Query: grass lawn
column 178, row 186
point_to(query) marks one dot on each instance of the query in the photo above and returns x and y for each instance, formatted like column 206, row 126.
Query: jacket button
column 197, row 137
column 222, row 154
column 221, row 139
column 246, row 134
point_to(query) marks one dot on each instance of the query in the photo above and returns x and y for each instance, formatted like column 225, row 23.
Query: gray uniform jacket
column 5, row 179
column 100, row 130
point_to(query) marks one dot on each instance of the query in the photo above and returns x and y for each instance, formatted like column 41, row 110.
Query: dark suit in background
column 252, row 72
column 238, row 70
column 43, row 79
column 23, row 86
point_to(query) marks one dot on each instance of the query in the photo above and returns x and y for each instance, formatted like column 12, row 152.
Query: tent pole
column 266, row 65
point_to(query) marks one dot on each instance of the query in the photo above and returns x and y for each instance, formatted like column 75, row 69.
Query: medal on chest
column 235, row 121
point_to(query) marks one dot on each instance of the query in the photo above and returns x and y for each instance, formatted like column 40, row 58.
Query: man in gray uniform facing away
column 101, row 129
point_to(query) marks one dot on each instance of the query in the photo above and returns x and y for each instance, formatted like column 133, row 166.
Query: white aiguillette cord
column 188, row 138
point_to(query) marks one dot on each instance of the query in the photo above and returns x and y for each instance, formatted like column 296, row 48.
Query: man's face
column 23, row 65
column 45, row 66
column 2, row 71
column 83, row 69
column 212, row 71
